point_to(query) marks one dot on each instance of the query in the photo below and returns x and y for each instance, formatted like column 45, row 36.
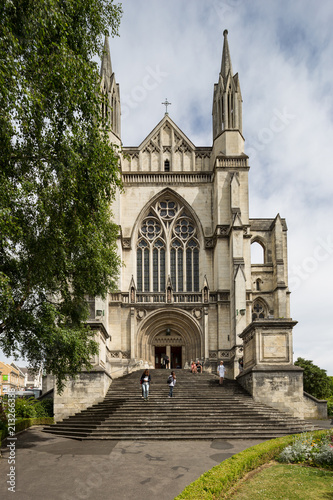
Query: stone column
column 133, row 350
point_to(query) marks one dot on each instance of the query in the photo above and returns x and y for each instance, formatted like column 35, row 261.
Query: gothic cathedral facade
column 187, row 288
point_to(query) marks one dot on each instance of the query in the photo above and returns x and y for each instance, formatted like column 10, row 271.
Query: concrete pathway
column 53, row 468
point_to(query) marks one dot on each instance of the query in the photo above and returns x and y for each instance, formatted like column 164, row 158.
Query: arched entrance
column 172, row 333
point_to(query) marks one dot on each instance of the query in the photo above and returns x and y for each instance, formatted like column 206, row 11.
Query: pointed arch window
column 258, row 311
column 168, row 245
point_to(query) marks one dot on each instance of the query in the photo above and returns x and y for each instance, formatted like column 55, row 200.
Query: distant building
column 11, row 378
column 33, row 379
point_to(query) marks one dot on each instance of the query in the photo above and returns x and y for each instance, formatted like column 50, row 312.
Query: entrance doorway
column 160, row 352
column 176, row 357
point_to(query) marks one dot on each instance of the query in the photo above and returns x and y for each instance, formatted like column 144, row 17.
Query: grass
column 286, row 482
column 218, row 482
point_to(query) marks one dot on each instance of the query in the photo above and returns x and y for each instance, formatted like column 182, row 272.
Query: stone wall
column 87, row 389
column 282, row 389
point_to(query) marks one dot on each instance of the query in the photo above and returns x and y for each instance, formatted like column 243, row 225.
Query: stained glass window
column 167, row 241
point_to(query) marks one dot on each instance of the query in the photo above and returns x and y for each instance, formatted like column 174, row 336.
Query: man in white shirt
column 221, row 371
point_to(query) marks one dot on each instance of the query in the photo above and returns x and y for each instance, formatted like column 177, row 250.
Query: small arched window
column 166, row 166
column 257, row 253
column 258, row 311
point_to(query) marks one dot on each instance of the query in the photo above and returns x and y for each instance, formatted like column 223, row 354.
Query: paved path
column 54, row 468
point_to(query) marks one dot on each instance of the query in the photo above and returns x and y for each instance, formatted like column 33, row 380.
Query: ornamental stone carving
column 197, row 313
column 126, row 243
column 140, row 314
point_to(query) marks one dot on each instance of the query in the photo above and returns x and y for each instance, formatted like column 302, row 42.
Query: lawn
column 286, row 482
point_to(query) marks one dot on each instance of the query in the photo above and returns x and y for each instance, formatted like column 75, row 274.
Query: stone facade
column 188, row 288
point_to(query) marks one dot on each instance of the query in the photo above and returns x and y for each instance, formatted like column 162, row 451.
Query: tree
column 58, row 176
column 316, row 381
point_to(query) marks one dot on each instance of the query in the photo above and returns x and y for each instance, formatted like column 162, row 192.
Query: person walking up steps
column 145, row 381
column 172, row 383
column 221, row 372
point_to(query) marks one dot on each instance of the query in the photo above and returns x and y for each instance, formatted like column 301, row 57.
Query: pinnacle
column 226, row 66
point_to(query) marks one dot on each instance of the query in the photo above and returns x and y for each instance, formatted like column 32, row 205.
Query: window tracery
column 167, row 245
column 258, row 311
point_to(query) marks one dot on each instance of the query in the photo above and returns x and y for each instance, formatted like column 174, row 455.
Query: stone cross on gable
column 166, row 104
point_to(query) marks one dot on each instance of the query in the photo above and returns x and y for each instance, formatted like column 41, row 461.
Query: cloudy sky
column 283, row 52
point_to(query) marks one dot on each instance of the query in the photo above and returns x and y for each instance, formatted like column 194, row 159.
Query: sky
column 283, row 53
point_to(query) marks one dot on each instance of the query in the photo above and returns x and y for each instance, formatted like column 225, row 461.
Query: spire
column 106, row 65
column 110, row 106
column 226, row 66
column 227, row 102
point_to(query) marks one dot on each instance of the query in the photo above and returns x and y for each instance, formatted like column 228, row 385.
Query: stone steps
column 201, row 409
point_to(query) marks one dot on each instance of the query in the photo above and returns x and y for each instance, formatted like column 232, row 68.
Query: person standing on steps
column 172, row 383
column 221, row 372
column 166, row 362
column 145, row 381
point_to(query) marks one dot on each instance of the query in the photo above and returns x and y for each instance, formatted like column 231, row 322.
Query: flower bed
column 310, row 449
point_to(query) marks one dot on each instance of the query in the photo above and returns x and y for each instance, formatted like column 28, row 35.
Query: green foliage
column 28, row 408
column 316, row 381
column 47, row 404
column 330, row 407
column 31, row 408
column 3, row 417
column 58, row 176
column 220, row 479
column 310, row 450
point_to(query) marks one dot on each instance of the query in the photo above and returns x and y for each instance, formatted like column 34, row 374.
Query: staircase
column 201, row 409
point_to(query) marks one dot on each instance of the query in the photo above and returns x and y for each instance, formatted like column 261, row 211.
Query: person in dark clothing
column 172, row 383
column 145, row 381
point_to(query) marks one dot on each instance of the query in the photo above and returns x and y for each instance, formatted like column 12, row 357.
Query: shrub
column 3, row 417
column 330, row 407
column 25, row 408
column 48, row 406
column 316, row 451
column 324, row 456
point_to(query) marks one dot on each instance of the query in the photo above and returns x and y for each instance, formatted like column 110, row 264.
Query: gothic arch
column 167, row 241
column 260, row 309
column 165, row 193
column 185, row 330
column 260, row 241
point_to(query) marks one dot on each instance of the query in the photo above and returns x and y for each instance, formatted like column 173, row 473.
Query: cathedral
column 188, row 289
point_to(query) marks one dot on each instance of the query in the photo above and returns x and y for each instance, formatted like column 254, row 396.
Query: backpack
column 170, row 377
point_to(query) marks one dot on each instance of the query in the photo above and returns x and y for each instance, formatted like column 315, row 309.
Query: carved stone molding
column 223, row 230
column 210, row 242
column 126, row 243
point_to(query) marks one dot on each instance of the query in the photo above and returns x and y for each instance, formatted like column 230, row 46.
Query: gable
column 166, row 135
column 166, row 149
